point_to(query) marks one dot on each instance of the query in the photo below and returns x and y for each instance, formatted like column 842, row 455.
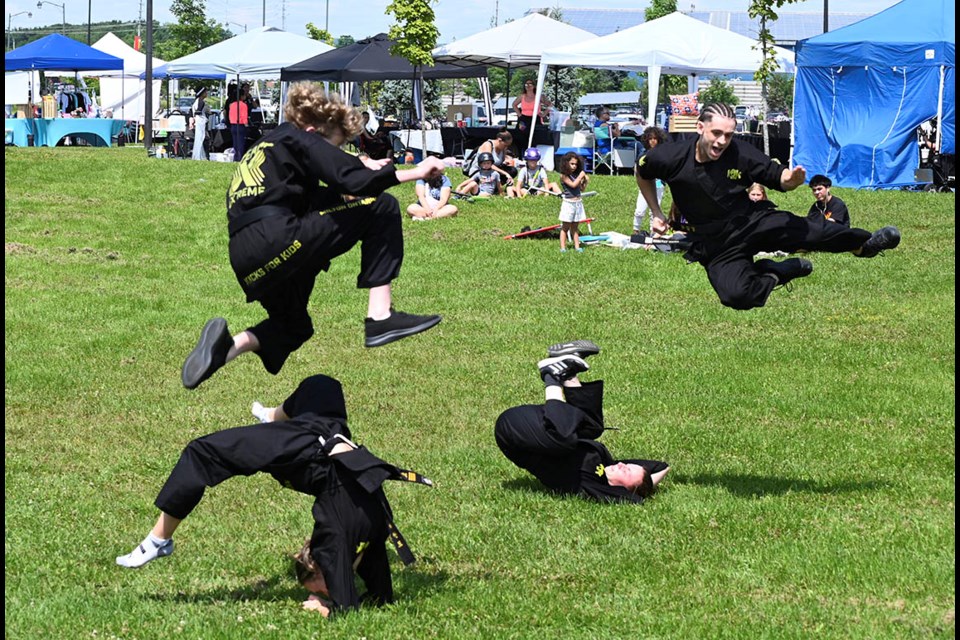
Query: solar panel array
column 787, row 30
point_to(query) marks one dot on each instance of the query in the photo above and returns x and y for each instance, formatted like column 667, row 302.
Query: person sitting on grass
column 557, row 441
column 485, row 183
column 433, row 199
column 296, row 202
column 305, row 445
column 827, row 206
column 532, row 178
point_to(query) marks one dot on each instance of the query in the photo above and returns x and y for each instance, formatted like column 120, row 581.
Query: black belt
column 256, row 214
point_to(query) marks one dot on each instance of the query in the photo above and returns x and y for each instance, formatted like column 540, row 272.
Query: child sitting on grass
column 484, row 183
column 532, row 177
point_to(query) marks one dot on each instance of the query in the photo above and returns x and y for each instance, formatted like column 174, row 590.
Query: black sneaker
column 581, row 348
column 398, row 325
column 787, row 270
column 209, row 355
column 556, row 370
column 882, row 239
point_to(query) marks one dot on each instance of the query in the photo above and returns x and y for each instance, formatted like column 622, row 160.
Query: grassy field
column 812, row 441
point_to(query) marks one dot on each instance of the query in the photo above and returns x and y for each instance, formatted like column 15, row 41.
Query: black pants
column 287, row 450
column 728, row 255
column 376, row 226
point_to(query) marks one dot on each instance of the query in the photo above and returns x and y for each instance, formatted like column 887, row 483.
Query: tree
column 192, row 31
column 415, row 35
column 780, row 92
column 345, row 41
column 718, row 91
column 316, row 33
column 764, row 9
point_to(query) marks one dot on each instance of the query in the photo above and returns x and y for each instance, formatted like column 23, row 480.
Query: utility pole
column 89, row 13
column 826, row 11
column 148, row 88
column 264, row 14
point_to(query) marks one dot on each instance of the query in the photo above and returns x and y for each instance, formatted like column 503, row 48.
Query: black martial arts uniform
column 556, row 442
column 352, row 518
column 726, row 228
column 288, row 219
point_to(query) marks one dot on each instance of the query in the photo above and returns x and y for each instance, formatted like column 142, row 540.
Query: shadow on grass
column 752, row 486
column 527, row 484
column 409, row 583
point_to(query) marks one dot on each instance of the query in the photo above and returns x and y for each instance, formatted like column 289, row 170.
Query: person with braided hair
column 708, row 177
column 296, row 202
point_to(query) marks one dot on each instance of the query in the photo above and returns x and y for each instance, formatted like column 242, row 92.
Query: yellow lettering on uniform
column 600, row 470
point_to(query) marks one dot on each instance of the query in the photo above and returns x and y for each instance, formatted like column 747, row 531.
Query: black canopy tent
column 370, row 59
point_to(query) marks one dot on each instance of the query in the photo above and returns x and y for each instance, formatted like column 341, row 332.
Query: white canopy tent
column 514, row 45
column 259, row 54
column 675, row 44
column 120, row 90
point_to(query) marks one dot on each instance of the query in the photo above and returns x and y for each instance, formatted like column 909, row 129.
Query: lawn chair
column 602, row 149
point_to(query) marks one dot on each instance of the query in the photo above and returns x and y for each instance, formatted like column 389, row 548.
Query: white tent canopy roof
column 676, row 43
column 134, row 62
column 258, row 54
column 515, row 44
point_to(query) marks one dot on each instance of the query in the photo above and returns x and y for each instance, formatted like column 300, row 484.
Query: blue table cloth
column 49, row 131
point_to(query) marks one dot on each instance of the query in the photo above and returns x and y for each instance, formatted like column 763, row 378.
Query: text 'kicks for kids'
column 581, row 348
column 559, row 369
column 396, row 326
column 787, row 270
column 209, row 355
column 881, row 240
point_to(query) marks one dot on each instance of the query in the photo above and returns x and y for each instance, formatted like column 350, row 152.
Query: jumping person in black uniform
column 306, row 447
column 557, row 441
column 297, row 201
column 708, row 177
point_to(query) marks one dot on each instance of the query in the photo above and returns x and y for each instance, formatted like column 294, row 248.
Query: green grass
column 812, row 441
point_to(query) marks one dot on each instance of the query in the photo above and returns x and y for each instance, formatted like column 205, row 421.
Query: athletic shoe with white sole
column 581, row 348
column 881, row 240
column 209, row 355
column 557, row 370
column 396, row 326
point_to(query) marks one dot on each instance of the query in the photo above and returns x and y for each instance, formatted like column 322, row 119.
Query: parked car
column 184, row 104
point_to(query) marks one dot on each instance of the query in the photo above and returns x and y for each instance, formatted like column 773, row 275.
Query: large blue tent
column 59, row 53
column 862, row 91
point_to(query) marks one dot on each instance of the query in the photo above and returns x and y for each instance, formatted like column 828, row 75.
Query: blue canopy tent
column 59, row 53
column 861, row 92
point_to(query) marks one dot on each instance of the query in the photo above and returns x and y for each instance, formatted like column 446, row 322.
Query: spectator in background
column 497, row 147
column 650, row 138
column 200, row 113
column 433, row 199
column 524, row 106
column 827, row 206
column 239, row 116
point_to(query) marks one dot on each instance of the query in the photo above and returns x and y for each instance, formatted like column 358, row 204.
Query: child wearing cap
column 532, row 177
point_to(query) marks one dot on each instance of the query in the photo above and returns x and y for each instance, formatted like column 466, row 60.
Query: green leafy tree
column 394, row 98
column 316, row 33
column 345, row 41
column 415, row 36
column 718, row 91
column 192, row 31
column 780, row 92
column 765, row 10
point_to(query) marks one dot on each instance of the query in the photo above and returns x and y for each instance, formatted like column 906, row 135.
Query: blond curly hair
column 308, row 105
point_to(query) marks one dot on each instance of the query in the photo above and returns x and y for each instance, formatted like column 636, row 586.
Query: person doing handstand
column 296, row 202
column 557, row 441
column 305, row 445
column 708, row 176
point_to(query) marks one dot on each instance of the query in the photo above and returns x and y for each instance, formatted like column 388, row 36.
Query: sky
column 456, row 19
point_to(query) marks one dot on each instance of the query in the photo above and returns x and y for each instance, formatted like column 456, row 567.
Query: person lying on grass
column 296, row 202
column 557, row 441
column 305, row 445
